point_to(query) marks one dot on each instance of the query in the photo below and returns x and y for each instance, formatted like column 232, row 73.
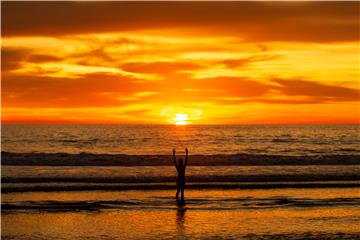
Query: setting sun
column 181, row 119
column 181, row 116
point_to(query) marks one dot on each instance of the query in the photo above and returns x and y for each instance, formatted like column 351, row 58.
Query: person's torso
column 181, row 172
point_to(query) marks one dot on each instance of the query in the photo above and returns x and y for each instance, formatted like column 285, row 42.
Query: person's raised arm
column 186, row 157
column 175, row 163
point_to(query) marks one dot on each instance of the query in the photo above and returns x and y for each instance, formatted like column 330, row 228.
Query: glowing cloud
column 180, row 62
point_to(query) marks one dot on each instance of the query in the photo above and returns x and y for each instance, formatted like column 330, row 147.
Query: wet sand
column 215, row 214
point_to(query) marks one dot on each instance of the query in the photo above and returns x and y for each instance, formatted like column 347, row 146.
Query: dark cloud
column 97, row 56
column 163, row 68
column 234, row 86
column 240, row 62
column 40, row 58
column 89, row 90
column 317, row 90
column 13, row 58
column 255, row 21
column 109, row 90
column 293, row 100
column 236, row 90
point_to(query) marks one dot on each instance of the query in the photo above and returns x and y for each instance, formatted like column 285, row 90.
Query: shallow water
column 76, row 178
column 235, row 214
column 167, row 173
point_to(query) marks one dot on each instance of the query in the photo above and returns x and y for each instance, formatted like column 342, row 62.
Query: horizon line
column 164, row 124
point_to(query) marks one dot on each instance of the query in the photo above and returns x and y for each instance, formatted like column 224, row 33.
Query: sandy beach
column 206, row 214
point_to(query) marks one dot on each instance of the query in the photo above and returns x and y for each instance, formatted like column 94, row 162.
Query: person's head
column 180, row 161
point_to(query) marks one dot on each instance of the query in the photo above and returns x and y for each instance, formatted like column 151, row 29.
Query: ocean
column 242, row 182
column 206, row 140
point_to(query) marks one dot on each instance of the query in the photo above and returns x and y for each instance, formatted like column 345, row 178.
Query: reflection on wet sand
column 204, row 215
column 180, row 219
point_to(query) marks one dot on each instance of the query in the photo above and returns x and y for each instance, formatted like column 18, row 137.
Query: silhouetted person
column 180, row 180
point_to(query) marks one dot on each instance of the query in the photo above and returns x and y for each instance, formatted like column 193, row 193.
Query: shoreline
column 12, row 188
column 242, row 159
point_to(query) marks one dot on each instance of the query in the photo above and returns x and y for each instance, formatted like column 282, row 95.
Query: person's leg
column 177, row 193
column 182, row 194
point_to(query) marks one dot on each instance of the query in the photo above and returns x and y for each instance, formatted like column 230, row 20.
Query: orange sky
column 210, row 62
